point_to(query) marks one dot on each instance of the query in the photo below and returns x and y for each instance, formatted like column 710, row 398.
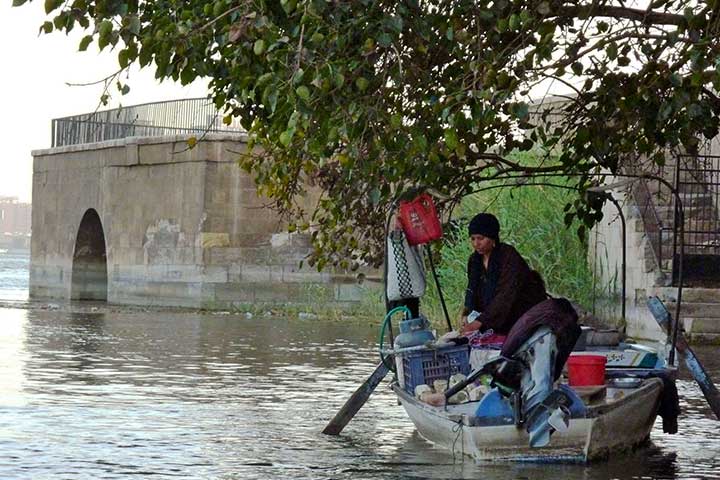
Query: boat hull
column 621, row 424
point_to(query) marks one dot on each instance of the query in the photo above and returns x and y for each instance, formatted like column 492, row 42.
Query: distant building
column 15, row 216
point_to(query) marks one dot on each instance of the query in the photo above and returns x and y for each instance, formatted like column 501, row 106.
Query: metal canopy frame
column 628, row 179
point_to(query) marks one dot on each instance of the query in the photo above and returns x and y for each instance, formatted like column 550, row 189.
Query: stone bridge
column 145, row 220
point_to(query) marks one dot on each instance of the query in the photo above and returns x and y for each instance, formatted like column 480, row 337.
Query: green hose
column 388, row 318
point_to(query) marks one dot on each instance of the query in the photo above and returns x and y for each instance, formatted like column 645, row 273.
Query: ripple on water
column 165, row 395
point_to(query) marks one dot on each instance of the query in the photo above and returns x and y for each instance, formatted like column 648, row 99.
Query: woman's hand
column 471, row 327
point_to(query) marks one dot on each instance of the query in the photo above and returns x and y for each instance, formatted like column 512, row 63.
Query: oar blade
column 662, row 316
column 356, row 401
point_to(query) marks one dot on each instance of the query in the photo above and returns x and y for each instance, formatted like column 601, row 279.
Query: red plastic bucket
column 586, row 370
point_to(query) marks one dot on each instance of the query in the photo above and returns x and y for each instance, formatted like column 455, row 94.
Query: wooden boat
column 608, row 419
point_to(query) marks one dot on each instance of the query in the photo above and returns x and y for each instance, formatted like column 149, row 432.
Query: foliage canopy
column 365, row 99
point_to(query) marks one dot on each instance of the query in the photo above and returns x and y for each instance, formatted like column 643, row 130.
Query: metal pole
column 385, row 272
column 624, row 255
column 681, row 218
column 437, row 284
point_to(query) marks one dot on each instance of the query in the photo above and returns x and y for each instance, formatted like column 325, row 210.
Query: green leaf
column 51, row 5
column 17, row 3
column 665, row 111
column 582, row 136
column 286, row 137
column 486, row 14
column 612, row 51
column 298, row 76
column 259, row 47
column 187, row 75
column 522, row 110
column 420, row 142
column 543, row 8
column 362, row 83
column 339, row 80
column 272, row 99
column 303, row 92
column 218, row 8
column 60, row 20
column 47, row 27
column 577, row 68
column 86, row 40
column 396, row 120
column 288, row 5
column 263, row 79
column 369, row 45
column 105, row 28
column 451, row 139
column 675, row 79
column 384, row 40
column 134, row 25
column 123, row 59
column 375, row 196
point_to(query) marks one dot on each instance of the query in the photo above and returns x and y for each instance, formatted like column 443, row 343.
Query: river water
column 126, row 393
column 14, row 267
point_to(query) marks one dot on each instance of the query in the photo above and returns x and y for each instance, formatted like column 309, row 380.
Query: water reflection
column 113, row 394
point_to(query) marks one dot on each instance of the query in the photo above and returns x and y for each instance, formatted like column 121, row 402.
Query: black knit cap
column 485, row 224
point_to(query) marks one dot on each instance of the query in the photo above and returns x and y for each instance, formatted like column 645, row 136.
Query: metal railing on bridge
column 188, row 116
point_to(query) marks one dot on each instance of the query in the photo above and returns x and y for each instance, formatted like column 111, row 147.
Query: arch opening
column 89, row 270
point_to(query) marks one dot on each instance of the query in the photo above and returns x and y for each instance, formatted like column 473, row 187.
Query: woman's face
column 482, row 244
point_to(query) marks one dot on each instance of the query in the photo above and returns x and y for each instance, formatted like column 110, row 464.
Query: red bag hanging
column 419, row 220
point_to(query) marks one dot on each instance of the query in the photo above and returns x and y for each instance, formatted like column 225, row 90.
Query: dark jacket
column 503, row 292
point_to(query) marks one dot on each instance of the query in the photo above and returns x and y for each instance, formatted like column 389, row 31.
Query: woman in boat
column 501, row 285
column 510, row 299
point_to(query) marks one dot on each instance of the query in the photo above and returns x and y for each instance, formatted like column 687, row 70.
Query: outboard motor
column 544, row 409
column 414, row 332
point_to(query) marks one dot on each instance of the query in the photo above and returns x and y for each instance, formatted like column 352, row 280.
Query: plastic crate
column 425, row 366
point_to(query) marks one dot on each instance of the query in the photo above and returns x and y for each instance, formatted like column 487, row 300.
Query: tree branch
column 645, row 17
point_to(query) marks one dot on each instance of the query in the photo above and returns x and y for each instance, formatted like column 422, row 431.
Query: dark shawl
column 503, row 292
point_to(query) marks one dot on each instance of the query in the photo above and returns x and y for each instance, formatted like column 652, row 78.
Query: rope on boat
column 459, row 429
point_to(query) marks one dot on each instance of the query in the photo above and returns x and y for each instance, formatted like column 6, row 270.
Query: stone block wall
column 182, row 227
column 700, row 309
column 643, row 276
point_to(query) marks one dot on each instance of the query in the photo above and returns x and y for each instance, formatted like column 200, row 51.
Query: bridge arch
column 89, row 267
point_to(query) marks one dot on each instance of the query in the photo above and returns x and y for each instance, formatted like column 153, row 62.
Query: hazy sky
column 33, row 76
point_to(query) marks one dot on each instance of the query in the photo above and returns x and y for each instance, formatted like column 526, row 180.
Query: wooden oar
column 356, row 401
column 662, row 316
